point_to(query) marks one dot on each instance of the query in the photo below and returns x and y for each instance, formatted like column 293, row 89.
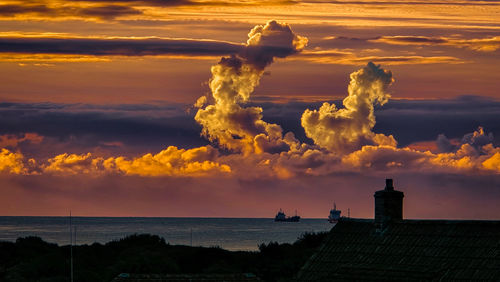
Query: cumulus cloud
column 169, row 162
column 11, row 162
column 475, row 140
column 348, row 129
column 478, row 138
column 344, row 140
column 274, row 40
column 475, row 154
column 493, row 162
column 443, row 144
column 234, row 78
column 71, row 164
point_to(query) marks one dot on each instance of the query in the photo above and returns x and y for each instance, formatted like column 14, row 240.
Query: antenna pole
column 191, row 237
column 71, row 245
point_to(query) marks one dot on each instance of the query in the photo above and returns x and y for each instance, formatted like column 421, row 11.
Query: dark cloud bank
column 139, row 127
column 117, row 46
column 143, row 127
column 103, row 11
column 407, row 120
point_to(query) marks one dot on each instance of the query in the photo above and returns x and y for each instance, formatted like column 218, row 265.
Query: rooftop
column 408, row 250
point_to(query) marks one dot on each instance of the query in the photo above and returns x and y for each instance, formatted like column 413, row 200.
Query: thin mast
column 71, row 245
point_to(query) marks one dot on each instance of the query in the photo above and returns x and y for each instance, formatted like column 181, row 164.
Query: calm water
column 228, row 233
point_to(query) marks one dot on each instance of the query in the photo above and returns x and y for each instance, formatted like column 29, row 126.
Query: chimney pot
column 388, row 205
column 389, row 185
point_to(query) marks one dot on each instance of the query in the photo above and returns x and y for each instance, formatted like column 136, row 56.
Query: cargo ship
column 334, row 214
column 280, row 216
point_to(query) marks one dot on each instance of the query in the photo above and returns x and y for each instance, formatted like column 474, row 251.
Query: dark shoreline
column 32, row 259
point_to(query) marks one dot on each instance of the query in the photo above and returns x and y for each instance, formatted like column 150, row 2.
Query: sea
column 236, row 234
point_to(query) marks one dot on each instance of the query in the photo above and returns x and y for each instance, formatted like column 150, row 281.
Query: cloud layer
column 245, row 145
column 488, row 44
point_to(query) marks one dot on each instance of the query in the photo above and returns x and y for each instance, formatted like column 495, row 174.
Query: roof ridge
column 423, row 221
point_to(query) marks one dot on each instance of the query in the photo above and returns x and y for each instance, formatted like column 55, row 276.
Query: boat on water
column 280, row 216
column 334, row 214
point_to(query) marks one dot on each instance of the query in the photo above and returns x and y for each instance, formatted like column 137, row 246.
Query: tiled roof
column 408, row 250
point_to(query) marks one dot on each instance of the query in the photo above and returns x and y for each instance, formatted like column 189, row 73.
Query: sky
column 192, row 108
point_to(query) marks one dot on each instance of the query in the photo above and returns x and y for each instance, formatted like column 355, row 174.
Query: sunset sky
column 238, row 108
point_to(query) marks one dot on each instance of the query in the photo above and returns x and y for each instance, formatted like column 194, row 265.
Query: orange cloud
column 343, row 137
column 24, row 59
column 347, row 129
column 345, row 57
column 72, row 164
column 10, row 140
column 468, row 158
column 424, row 146
column 489, row 44
column 11, row 162
column 492, row 163
column 169, row 162
column 233, row 80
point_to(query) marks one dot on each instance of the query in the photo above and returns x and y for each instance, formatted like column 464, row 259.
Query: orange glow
column 242, row 104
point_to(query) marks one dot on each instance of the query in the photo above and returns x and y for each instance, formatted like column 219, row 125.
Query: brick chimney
column 388, row 205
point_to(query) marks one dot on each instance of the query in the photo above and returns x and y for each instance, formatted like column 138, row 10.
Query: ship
column 280, row 216
column 334, row 214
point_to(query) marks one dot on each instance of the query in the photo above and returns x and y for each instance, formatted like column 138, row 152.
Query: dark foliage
column 32, row 259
